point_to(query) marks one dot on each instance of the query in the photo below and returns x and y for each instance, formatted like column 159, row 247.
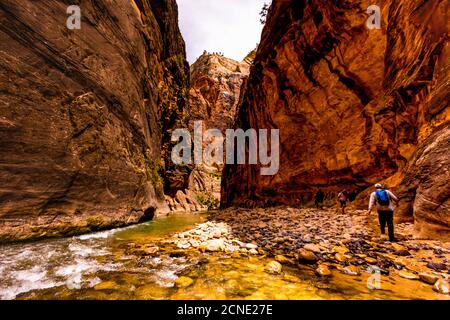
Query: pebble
column 428, row 278
column 273, row 267
column 312, row 247
column 370, row 260
column 282, row 259
column 351, row 271
column 183, row 282
column 442, row 286
column 340, row 257
column 341, row 250
column 323, row 270
column 306, row 256
column 408, row 275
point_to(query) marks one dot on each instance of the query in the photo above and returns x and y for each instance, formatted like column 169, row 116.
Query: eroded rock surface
column 216, row 83
column 354, row 106
column 83, row 112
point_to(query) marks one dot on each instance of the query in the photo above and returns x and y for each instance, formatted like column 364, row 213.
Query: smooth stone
column 442, row 286
column 402, row 253
column 370, row 260
column 341, row 249
column 282, row 259
column 437, row 266
column 273, row 267
column 307, row 256
column 428, row 278
column 183, row 245
column 215, row 245
column 312, row 247
column 398, row 247
column 408, row 275
column 323, row 270
column 340, row 257
column 107, row 285
column 151, row 250
column 183, row 282
column 251, row 246
column 351, row 270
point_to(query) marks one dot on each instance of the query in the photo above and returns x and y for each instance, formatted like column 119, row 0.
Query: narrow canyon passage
column 94, row 205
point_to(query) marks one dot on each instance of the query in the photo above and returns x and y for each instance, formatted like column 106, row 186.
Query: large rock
column 215, row 89
column 354, row 106
column 213, row 97
column 83, row 112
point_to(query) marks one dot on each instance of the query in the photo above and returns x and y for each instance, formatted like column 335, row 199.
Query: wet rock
column 251, row 246
column 306, row 256
column 282, row 259
column 370, row 260
column 183, row 282
column 273, row 267
column 312, row 247
column 428, row 278
column 323, row 270
column 341, row 257
column 408, row 275
column 183, row 245
column 398, row 247
column 107, row 285
column 402, row 253
column 442, row 286
column 437, row 266
column 351, row 270
column 215, row 245
column 341, row 249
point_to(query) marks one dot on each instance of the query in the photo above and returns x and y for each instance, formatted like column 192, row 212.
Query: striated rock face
column 215, row 89
column 82, row 113
column 354, row 106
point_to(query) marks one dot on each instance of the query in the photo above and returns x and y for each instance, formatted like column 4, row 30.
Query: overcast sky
column 228, row 26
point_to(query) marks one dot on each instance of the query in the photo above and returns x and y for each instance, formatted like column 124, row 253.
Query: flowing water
column 122, row 264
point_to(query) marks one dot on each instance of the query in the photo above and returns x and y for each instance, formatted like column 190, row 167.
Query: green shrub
column 208, row 200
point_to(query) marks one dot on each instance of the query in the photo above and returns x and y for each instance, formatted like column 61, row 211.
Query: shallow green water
column 122, row 264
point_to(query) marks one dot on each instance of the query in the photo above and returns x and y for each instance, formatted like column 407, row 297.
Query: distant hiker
column 320, row 196
column 343, row 198
column 384, row 200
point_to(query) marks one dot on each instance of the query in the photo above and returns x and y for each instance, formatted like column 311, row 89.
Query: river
column 121, row 264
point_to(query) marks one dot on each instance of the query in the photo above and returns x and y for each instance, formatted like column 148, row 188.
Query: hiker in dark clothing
column 384, row 200
column 343, row 198
column 320, row 196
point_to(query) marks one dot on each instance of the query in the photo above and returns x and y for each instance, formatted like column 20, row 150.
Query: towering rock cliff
column 213, row 97
column 83, row 113
column 354, row 106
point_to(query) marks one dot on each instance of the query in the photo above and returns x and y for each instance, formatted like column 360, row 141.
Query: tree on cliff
column 263, row 13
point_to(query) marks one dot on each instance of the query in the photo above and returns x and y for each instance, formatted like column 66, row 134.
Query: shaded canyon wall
column 83, row 113
column 354, row 106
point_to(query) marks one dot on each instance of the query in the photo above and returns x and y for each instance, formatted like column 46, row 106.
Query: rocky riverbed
column 323, row 240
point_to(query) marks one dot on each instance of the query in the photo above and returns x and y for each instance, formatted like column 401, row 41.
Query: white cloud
column 230, row 26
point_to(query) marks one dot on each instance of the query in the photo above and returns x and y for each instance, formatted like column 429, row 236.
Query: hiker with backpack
column 384, row 200
column 343, row 198
column 320, row 196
